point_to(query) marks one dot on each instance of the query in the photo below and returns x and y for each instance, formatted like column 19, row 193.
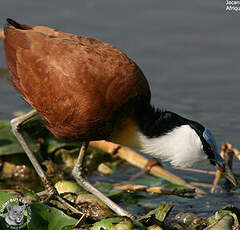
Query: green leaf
column 106, row 224
column 44, row 217
column 138, row 226
column 157, row 216
column 54, row 144
column 8, row 142
column 108, row 189
column 149, row 181
column 6, row 196
column 163, row 210
column 35, row 128
column 104, row 187
column 175, row 186
column 32, row 130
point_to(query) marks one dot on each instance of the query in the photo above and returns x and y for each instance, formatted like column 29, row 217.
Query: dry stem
column 139, row 161
column 159, row 190
column 195, row 170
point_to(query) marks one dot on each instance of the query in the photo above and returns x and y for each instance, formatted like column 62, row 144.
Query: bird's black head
column 208, row 143
column 210, row 148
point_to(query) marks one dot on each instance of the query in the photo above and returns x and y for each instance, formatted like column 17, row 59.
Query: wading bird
column 86, row 90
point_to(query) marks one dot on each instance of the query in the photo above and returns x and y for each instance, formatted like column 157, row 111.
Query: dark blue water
column 188, row 50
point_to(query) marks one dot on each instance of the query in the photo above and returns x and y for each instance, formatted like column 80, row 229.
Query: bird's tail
column 13, row 24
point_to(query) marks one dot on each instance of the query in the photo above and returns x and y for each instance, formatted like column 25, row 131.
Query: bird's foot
column 147, row 168
column 51, row 194
column 151, row 163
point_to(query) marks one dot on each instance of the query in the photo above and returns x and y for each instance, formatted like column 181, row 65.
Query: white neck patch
column 181, row 147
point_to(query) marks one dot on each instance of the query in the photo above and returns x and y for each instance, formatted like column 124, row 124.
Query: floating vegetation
column 137, row 192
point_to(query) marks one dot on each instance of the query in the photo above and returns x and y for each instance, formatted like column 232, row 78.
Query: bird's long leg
column 16, row 128
column 78, row 175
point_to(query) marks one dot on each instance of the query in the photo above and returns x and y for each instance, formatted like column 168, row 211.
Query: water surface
column 188, row 50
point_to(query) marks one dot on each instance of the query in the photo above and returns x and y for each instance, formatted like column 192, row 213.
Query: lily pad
column 147, row 180
column 108, row 189
column 44, row 217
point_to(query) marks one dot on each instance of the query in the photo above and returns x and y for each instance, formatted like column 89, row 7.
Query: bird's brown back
column 77, row 84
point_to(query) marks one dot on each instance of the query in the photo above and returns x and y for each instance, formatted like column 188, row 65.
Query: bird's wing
column 76, row 83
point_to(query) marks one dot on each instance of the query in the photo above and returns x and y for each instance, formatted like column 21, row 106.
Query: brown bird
column 86, row 90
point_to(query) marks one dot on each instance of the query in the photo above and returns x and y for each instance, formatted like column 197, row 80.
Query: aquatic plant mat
column 159, row 199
